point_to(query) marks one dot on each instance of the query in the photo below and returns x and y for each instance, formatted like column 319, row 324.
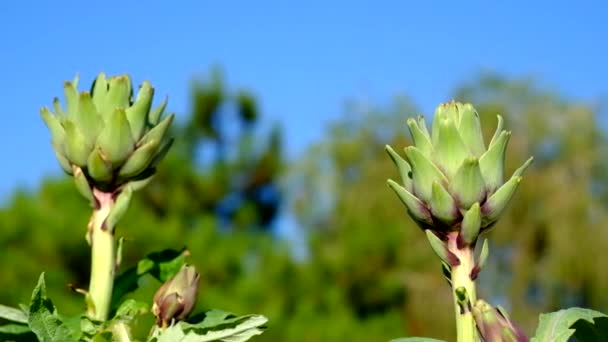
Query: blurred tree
column 240, row 181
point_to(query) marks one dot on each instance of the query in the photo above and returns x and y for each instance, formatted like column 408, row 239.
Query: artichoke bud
column 175, row 299
column 494, row 324
column 452, row 182
column 110, row 136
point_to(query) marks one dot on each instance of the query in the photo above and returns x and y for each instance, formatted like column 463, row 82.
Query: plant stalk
column 103, row 259
column 461, row 280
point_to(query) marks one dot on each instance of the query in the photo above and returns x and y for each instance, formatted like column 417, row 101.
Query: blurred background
column 277, row 181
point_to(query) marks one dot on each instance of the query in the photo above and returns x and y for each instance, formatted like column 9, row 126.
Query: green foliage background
column 367, row 273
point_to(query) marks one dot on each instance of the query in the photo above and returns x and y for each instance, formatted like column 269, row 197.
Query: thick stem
column 121, row 332
column 461, row 280
column 103, row 260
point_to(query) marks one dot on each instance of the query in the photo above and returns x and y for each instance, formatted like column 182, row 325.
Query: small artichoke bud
column 175, row 299
column 494, row 324
column 452, row 181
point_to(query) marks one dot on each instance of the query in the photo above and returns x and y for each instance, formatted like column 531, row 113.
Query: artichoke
column 106, row 138
column 494, row 324
column 176, row 298
column 451, row 181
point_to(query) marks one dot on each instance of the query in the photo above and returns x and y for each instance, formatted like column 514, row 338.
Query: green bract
column 106, row 138
column 451, row 181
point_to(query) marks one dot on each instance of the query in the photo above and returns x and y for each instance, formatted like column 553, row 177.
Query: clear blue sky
column 302, row 58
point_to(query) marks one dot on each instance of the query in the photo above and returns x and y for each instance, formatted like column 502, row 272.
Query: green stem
column 461, row 280
column 103, row 260
column 121, row 332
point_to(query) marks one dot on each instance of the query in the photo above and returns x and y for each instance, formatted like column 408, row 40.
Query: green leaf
column 161, row 265
column 12, row 314
column 583, row 324
column 89, row 327
column 14, row 329
column 104, row 336
column 215, row 325
column 43, row 318
column 416, row 339
column 17, row 333
column 131, row 308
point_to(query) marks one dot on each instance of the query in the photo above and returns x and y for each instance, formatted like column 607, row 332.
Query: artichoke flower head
column 450, row 180
column 107, row 138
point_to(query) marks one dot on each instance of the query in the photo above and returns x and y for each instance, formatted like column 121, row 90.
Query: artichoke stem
column 461, row 280
column 121, row 332
column 103, row 259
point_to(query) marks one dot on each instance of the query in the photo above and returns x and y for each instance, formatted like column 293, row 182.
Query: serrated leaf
column 416, row 339
column 12, row 314
column 43, row 318
column 561, row 325
column 161, row 265
column 216, row 325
